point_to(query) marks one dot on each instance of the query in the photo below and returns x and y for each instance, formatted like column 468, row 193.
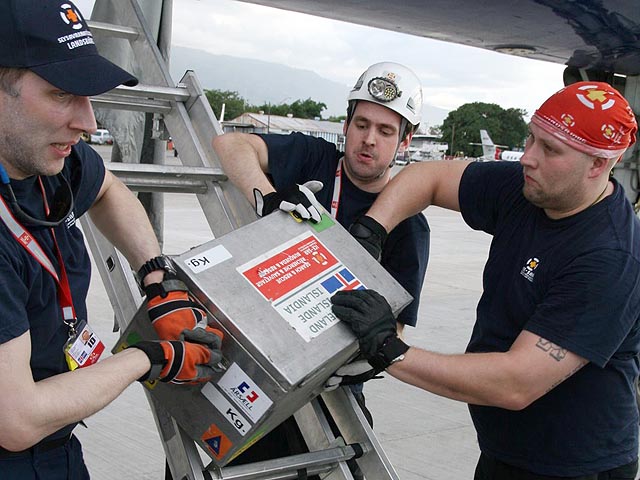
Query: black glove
column 370, row 234
column 371, row 319
column 180, row 362
column 298, row 200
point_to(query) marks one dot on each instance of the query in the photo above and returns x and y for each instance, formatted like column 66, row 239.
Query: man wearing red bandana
column 550, row 370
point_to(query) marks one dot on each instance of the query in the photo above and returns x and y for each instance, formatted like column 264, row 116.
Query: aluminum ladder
column 183, row 111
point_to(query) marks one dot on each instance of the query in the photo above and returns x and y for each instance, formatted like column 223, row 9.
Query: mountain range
column 258, row 81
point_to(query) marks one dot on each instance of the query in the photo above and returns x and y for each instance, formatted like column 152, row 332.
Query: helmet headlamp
column 383, row 89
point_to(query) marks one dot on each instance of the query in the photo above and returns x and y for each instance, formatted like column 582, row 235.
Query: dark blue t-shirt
column 575, row 282
column 298, row 158
column 28, row 293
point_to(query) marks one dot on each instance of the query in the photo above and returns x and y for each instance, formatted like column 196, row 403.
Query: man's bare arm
column 415, row 188
column 245, row 160
column 512, row 380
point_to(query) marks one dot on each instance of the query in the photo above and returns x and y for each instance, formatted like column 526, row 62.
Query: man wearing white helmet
column 285, row 171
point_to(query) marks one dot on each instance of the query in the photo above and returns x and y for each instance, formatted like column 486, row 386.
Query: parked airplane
column 491, row 151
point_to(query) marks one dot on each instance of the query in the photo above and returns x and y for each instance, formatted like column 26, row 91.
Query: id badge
column 84, row 348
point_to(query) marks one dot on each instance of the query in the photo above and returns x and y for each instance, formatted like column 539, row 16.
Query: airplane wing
column 601, row 35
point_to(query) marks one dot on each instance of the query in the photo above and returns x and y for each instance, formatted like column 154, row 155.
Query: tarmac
column 425, row 436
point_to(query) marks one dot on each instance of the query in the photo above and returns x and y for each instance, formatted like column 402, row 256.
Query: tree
column 462, row 127
column 299, row 109
column 307, row 108
column 338, row 119
column 235, row 105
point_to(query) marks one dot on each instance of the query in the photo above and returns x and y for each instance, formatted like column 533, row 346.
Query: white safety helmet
column 391, row 85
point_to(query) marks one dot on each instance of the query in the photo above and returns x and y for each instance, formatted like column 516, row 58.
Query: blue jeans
column 61, row 463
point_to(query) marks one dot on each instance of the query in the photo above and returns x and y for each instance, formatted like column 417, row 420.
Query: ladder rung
column 166, row 178
column 287, row 467
column 144, row 98
column 120, row 102
column 117, row 31
column 178, row 94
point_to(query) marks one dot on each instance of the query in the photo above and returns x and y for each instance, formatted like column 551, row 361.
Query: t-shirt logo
column 70, row 221
column 528, row 271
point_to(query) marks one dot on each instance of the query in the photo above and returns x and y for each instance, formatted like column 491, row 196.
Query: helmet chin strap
column 401, row 137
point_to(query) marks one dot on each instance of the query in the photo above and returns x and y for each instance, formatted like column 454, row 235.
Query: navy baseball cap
column 51, row 38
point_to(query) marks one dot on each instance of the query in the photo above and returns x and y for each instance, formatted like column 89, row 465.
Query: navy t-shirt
column 28, row 293
column 298, row 158
column 575, row 282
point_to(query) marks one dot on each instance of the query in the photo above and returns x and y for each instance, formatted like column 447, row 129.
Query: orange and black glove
column 176, row 316
column 180, row 362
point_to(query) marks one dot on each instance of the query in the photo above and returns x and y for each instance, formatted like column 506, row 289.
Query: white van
column 101, row 136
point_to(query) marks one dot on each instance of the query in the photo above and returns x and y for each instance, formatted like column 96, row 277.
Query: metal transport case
column 267, row 286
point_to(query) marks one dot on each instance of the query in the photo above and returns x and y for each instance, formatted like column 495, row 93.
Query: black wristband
column 370, row 234
column 161, row 262
column 154, row 351
column 392, row 351
column 271, row 203
column 171, row 285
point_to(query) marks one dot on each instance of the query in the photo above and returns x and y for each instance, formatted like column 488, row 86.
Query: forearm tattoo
column 555, row 351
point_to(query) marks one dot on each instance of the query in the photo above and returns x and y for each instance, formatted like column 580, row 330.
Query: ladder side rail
column 206, row 127
column 353, row 425
column 317, row 434
column 115, row 273
column 145, row 48
column 192, row 153
column 192, row 130
column 183, row 458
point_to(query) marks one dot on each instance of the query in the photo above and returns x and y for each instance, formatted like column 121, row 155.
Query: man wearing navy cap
column 50, row 375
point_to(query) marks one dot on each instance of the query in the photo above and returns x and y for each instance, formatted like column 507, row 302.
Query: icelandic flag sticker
column 342, row 280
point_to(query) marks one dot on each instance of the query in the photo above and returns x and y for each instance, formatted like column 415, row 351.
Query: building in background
column 265, row 123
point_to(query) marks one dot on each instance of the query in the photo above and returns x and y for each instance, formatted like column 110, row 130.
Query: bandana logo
column 608, row 131
column 567, row 120
column 594, row 96
column 528, row 271
column 71, row 16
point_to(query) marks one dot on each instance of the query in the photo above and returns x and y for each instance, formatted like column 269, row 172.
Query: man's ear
column 600, row 165
column 407, row 141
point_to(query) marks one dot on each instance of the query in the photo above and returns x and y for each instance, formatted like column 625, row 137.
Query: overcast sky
column 451, row 74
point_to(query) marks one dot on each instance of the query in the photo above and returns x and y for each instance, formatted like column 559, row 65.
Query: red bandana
column 591, row 117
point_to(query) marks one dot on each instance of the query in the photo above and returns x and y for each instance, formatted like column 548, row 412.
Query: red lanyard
column 32, row 246
column 337, row 188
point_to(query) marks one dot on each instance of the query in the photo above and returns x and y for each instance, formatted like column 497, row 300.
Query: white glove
column 298, row 200
column 358, row 371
